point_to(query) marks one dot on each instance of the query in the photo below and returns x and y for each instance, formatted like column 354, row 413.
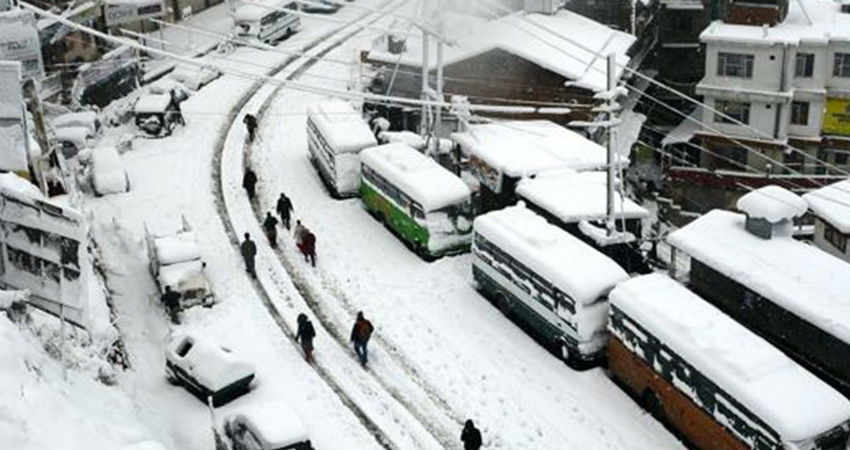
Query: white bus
column 547, row 278
column 268, row 24
column 336, row 133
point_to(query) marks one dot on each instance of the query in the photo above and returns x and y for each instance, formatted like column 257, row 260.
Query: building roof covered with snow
column 417, row 175
column 525, row 35
column 796, row 276
column 524, row 148
column 580, row 270
column 341, row 125
column 772, row 203
column 827, row 24
column 832, row 204
column 573, row 197
column 744, row 365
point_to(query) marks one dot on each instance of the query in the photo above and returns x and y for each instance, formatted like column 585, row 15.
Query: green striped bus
column 427, row 206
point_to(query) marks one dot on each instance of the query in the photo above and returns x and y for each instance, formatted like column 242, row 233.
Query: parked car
column 207, row 370
column 72, row 140
column 194, row 77
column 175, row 260
column 155, row 114
column 107, row 172
column 86, row 119
column 266, row 426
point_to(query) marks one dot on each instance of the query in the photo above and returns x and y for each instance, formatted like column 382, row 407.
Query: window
column 734, row 65
column 804, row 65
column 799, row 113
column 834, row 237
column 841, row 158
column 736, row 110
column 842, row 65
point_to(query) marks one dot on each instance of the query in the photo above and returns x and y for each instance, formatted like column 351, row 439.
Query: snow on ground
column 478, row 362
column 170, row 177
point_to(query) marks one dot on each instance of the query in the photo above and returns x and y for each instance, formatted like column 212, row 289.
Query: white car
column 266, row 426
column 207, row 370
column 194, row 77
column 107, row 172
column 175, row 261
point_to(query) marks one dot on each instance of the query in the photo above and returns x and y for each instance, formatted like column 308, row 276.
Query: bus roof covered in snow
column 419, row 176
column 341, row 125
column 792, row 401
column 582, row 271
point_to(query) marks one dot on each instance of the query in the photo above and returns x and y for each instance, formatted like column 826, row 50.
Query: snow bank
column 41, row 410
column 741, row 363
column 341, row 125
column 108, row 175
column 572, row 197
column 577, row 268
column 796, row 276
column 772, row 203
column 832, row 204
column 420, row 177
column 524, row 148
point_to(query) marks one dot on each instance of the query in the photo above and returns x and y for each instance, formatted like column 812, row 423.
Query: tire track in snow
column 325, row 372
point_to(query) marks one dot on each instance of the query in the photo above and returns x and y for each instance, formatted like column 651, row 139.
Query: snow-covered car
column 85, row 119
column 72, row 140
column 207, row 370
column 155, row 114
column 266, row 426
column 107, row 171
column 168, row 86
column 175, row 261
column 194, row 77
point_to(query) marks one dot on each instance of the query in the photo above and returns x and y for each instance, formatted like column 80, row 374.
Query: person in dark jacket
column 249, row 251
column 310, row 247
column 178, row 111
column 360, row 334
column 284, row 209
column 171, row 300
column 470, row 436
column 305, row 335
column 251, row 124
column 270, row 227
column 249, row 182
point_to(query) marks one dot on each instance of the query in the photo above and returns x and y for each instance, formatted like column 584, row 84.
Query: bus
column 427, row 206
column 336, row 133
column 548, row 279
column 716, row 383
column 267, row 24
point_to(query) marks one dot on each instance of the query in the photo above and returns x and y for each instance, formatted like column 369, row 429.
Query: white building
column 791, row 82
column 831, row 205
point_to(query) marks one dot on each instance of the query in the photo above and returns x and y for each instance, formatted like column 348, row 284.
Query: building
column 789, row 85
column 789, row 292
column 507, row 61
column 679, row 56
column 831, row 207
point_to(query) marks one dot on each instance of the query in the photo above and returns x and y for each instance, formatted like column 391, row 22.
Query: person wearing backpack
column 360, row 334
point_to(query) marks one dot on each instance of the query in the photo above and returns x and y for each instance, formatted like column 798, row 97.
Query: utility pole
column 423, row 125
column 438, row 111
column 612, row 144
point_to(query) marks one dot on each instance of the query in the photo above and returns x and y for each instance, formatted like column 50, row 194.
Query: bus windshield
column 452, row 219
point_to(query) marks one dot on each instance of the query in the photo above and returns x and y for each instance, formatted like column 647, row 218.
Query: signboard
column 487, row 175
column 122, row 11
column 19, row 42
column 836, row 118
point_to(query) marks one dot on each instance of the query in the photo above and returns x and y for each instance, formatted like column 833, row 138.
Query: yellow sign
column 836, row 118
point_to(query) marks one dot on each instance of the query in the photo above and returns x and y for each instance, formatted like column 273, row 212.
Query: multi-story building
column 789, row 85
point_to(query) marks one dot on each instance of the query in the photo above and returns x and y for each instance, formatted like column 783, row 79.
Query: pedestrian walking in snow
column 360, row 334
column 298, row 235
column 249, row 251
column 305, row 335
column 178, row 112
column 171, row 300
column 249, row 182
column 470, row 436
column 270, row 227
column 309, row 247
column 251, row 124
column 284, row 209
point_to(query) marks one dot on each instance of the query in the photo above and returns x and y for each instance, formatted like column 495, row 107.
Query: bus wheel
column 503, row 305
column 650, row 402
